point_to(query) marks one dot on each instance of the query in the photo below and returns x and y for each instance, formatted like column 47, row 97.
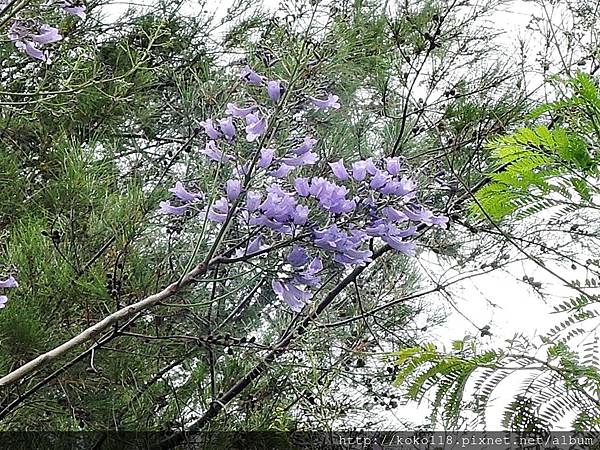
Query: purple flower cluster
column 31, row 38
column 9, row 283
column 334, row 216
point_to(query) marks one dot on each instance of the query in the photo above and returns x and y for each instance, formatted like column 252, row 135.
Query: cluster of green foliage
column 538, row 167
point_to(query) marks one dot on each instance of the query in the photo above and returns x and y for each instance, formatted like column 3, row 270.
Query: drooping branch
column 93, row 331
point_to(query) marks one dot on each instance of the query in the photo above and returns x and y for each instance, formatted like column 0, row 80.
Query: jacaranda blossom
column 182, row 194
column 211, row 150
column 300, row 215
column 266, row 157
column 219, row 210
column 274, row 90
column 250, row 76
column 9, row 283
column 392, row 165
column 236, row 111
column 331, row 196
column 209, row 129
column 309, row 276
column 332, row 101
column 402, row 188
column 298, row 256
column 291, row 294
column 393, row 236
column 344, row 245
column 233, row 188
column 335, row 216
column 26, row 40
column 253, row 200
column 227, row 128
column 339, row 170
column 421, row 214
column 380, row 179
column 307, row 145
column 282, row 171
column 167, row 208
column 255, row 127
column 302, row 187
column 304, row 159
column 391, row 213
column 362, row 167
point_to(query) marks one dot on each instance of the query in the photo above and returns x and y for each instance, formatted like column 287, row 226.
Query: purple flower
column 302, row 187
column 330, row 102
column 226, row 126
column 233, row 188
column 253, row 200
column 300, row 215
column 279, row 211
column 236, row 111
column 439, row 220
column 391, row 213
column 73, row 9
column 298, row 256
column 381, row 228
column 264, row 221
column 266, row 157
column 305, row 159
column 362, row 167
column 393, row 236
column 403, row 188
column 255, row 127
column 309, row 277
column 26, row 40
column 255, row 245
column 421, row 214
column 47, row 35
column 209, row 129
column 274, row 90
column 167, row 208
column 250, row 76
column 219, row 210
column 343, row 245
column 380, row 180
column 392, row 165
column 408, row 248
column 9, row 283
column 331, row 196
column 339, row 170
column 3, row 300
column 353, row 257
column 306, row 146
column 182, row 194
column 211, row 150
column 283, row 171
column 291, row 294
